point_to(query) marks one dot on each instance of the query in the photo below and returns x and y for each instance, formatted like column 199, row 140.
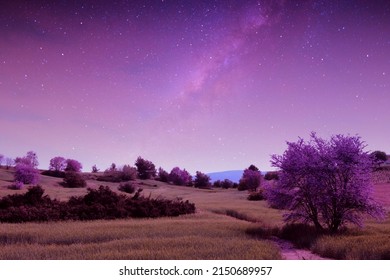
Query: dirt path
column 289, row 252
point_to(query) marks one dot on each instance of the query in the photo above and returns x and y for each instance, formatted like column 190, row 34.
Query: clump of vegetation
column 256, row 195
column 116, row 175
column 225, row 184
column 127, row 188
column 74, row 180
column 102, row 203
column 271, row 175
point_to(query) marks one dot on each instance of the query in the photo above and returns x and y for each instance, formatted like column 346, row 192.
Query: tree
column 201, row 180
column 26, row 174
column 378, row 158
column 326, row 183
column 9, row 162
column 73, row 165
column 251, row 179
column 145, row 168
column 95, row 169
column 1, row 159
column 57, row 164
column 163, row 175
column 180, row 177
column 31, row 159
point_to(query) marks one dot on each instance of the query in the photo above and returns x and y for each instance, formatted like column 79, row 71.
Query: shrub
column 26, row 174
column 102, row 203
column 95, row 169
column 127, row 188
column 201, row 180
column 257, row 195
column 145, row 168
column 271, row 175
column 127, row 173
column 74, row 180
column 54, row 173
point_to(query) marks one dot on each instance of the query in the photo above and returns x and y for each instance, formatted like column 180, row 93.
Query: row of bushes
column 102, row 203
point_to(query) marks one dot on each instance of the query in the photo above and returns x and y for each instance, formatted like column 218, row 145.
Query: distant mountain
column 233, row 175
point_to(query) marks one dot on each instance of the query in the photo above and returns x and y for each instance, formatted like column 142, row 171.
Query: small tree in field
column 326, row 183
column 180, row 177
column 201, row 180
column 163, row 175
column 26, row 174
column 73, row 165
column 1, row 159
column 57, row 164
column 378, row 158
column 146, row 168
column 251, row 179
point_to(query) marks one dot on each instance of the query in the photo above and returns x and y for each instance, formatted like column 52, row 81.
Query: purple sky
column 203, row 85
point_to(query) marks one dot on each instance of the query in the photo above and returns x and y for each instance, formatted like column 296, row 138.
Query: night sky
column 203, row 85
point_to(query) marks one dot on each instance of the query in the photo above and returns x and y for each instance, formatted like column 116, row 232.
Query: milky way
column 203, row 85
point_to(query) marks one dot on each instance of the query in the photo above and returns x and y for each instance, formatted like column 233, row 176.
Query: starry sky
column 203, row 85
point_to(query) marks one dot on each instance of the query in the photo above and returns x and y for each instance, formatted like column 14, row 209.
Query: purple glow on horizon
column 203, row 85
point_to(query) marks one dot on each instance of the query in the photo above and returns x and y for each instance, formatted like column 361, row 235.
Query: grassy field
column 225, row 226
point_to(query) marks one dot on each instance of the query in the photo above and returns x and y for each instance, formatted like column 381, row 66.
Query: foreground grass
column 201, row 236
column 226, row 226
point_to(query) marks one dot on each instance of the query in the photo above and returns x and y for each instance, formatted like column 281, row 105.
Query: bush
column 257, row 195
column 127, row 188
column 54, row 173
column 102, row 203
column 271, row 175
column 26, row 174
column 74, row 180
column 127, row 173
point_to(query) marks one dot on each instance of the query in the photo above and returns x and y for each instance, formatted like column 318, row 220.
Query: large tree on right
column 325, row 182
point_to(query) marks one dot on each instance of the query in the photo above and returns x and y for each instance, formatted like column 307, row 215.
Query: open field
column 225, row 226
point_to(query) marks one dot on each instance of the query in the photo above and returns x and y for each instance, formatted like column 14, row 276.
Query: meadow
column 225, row 226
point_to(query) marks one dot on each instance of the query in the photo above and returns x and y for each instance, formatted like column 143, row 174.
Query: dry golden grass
column 226, row 226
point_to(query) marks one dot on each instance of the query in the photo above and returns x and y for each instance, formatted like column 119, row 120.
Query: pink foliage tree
column 26, row 174
column 326, row 183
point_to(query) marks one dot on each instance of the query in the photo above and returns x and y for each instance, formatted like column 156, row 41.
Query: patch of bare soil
column 289, row 252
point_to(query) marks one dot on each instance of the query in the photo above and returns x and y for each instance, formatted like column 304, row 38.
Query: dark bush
column 54, row 173
column 163, row 175
column 271, row 175
column 257, row 195
column 127, row 188
column 146, row 169
column 127, row 173
column 74, row 180
column 102, row 203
